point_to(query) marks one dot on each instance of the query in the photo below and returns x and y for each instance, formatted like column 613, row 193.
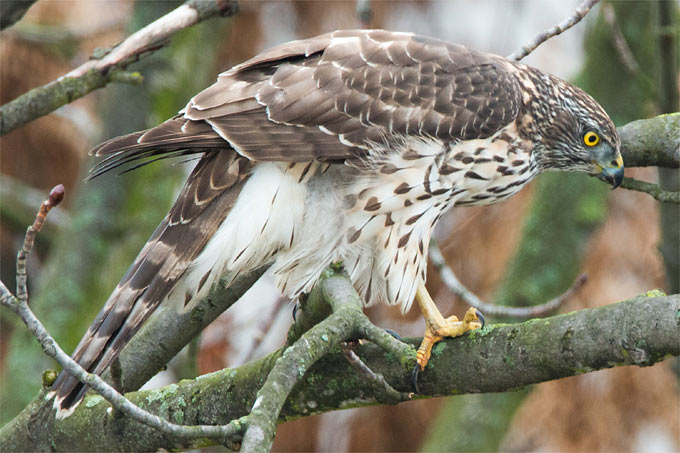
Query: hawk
column 347, row 146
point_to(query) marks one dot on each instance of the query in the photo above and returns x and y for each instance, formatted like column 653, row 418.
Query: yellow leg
column 437, row 327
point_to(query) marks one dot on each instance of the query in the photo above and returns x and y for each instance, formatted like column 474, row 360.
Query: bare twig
column 619, row 41
column 652, row 189
column 389, row 394
column 56, row 195
column 555, row 30
column 97, row 73
column 456, row 287
column 19, row 304
column 20, row 201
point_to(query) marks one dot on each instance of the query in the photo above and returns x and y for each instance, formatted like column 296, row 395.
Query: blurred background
column 521, row 252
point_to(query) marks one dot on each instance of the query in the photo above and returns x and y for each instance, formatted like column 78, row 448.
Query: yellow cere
column 591, row 138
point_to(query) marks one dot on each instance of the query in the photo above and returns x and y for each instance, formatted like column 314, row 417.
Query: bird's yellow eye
column 591, row 138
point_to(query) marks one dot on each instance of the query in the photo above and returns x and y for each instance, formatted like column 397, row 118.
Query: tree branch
column 97, row 73
column 555, row 30
column 641, row 331
column 456, row 287
column 652, row 189
column 347, row 321
column 652, row 142
column 52, row 349
column 168, row 331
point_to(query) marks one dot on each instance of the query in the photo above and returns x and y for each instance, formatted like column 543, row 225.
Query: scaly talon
column 437, row 327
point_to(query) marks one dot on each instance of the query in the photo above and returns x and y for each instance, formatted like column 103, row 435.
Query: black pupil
column 591, row 138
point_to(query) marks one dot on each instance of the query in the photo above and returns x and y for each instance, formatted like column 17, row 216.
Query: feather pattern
column 325, row 99
column 205, row 201
column 347, row 146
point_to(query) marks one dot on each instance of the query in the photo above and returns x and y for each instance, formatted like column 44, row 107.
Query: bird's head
column 579, row 136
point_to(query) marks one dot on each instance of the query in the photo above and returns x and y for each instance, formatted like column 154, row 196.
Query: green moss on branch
column 652, row 142
column 641, row 331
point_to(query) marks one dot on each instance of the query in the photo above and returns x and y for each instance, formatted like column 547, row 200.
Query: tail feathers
column 173, row 138
column 202, row 206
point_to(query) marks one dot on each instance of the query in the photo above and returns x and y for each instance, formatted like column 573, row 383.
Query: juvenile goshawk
column 348, row 146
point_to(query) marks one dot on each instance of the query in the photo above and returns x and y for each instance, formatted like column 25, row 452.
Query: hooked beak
column 611, row 172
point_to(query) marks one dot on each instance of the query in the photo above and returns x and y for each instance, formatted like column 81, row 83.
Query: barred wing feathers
column 330, row 98
column 203, row 204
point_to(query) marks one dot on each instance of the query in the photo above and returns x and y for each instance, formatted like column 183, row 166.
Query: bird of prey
column 347, row 146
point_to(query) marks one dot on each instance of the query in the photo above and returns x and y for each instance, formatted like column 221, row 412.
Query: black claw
column 393, row 333
column 481, row 318
column 414, row 378
column 295, row 309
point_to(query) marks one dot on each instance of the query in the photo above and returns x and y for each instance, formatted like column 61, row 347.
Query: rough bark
column 652, row 142
column 640, row 331
column 169, row 331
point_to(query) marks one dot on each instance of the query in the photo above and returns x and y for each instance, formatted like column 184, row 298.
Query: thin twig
column 652, row 189
column 456, row 287
column 20, row 201
column 619, row 41
column 555, row 30
column 97, row 73
column 19, row 304
column 390, row 395
column 55, row 197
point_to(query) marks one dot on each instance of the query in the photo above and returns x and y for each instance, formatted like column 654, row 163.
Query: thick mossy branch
column 641, row 331
column 168, row 331
column 652, row 142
